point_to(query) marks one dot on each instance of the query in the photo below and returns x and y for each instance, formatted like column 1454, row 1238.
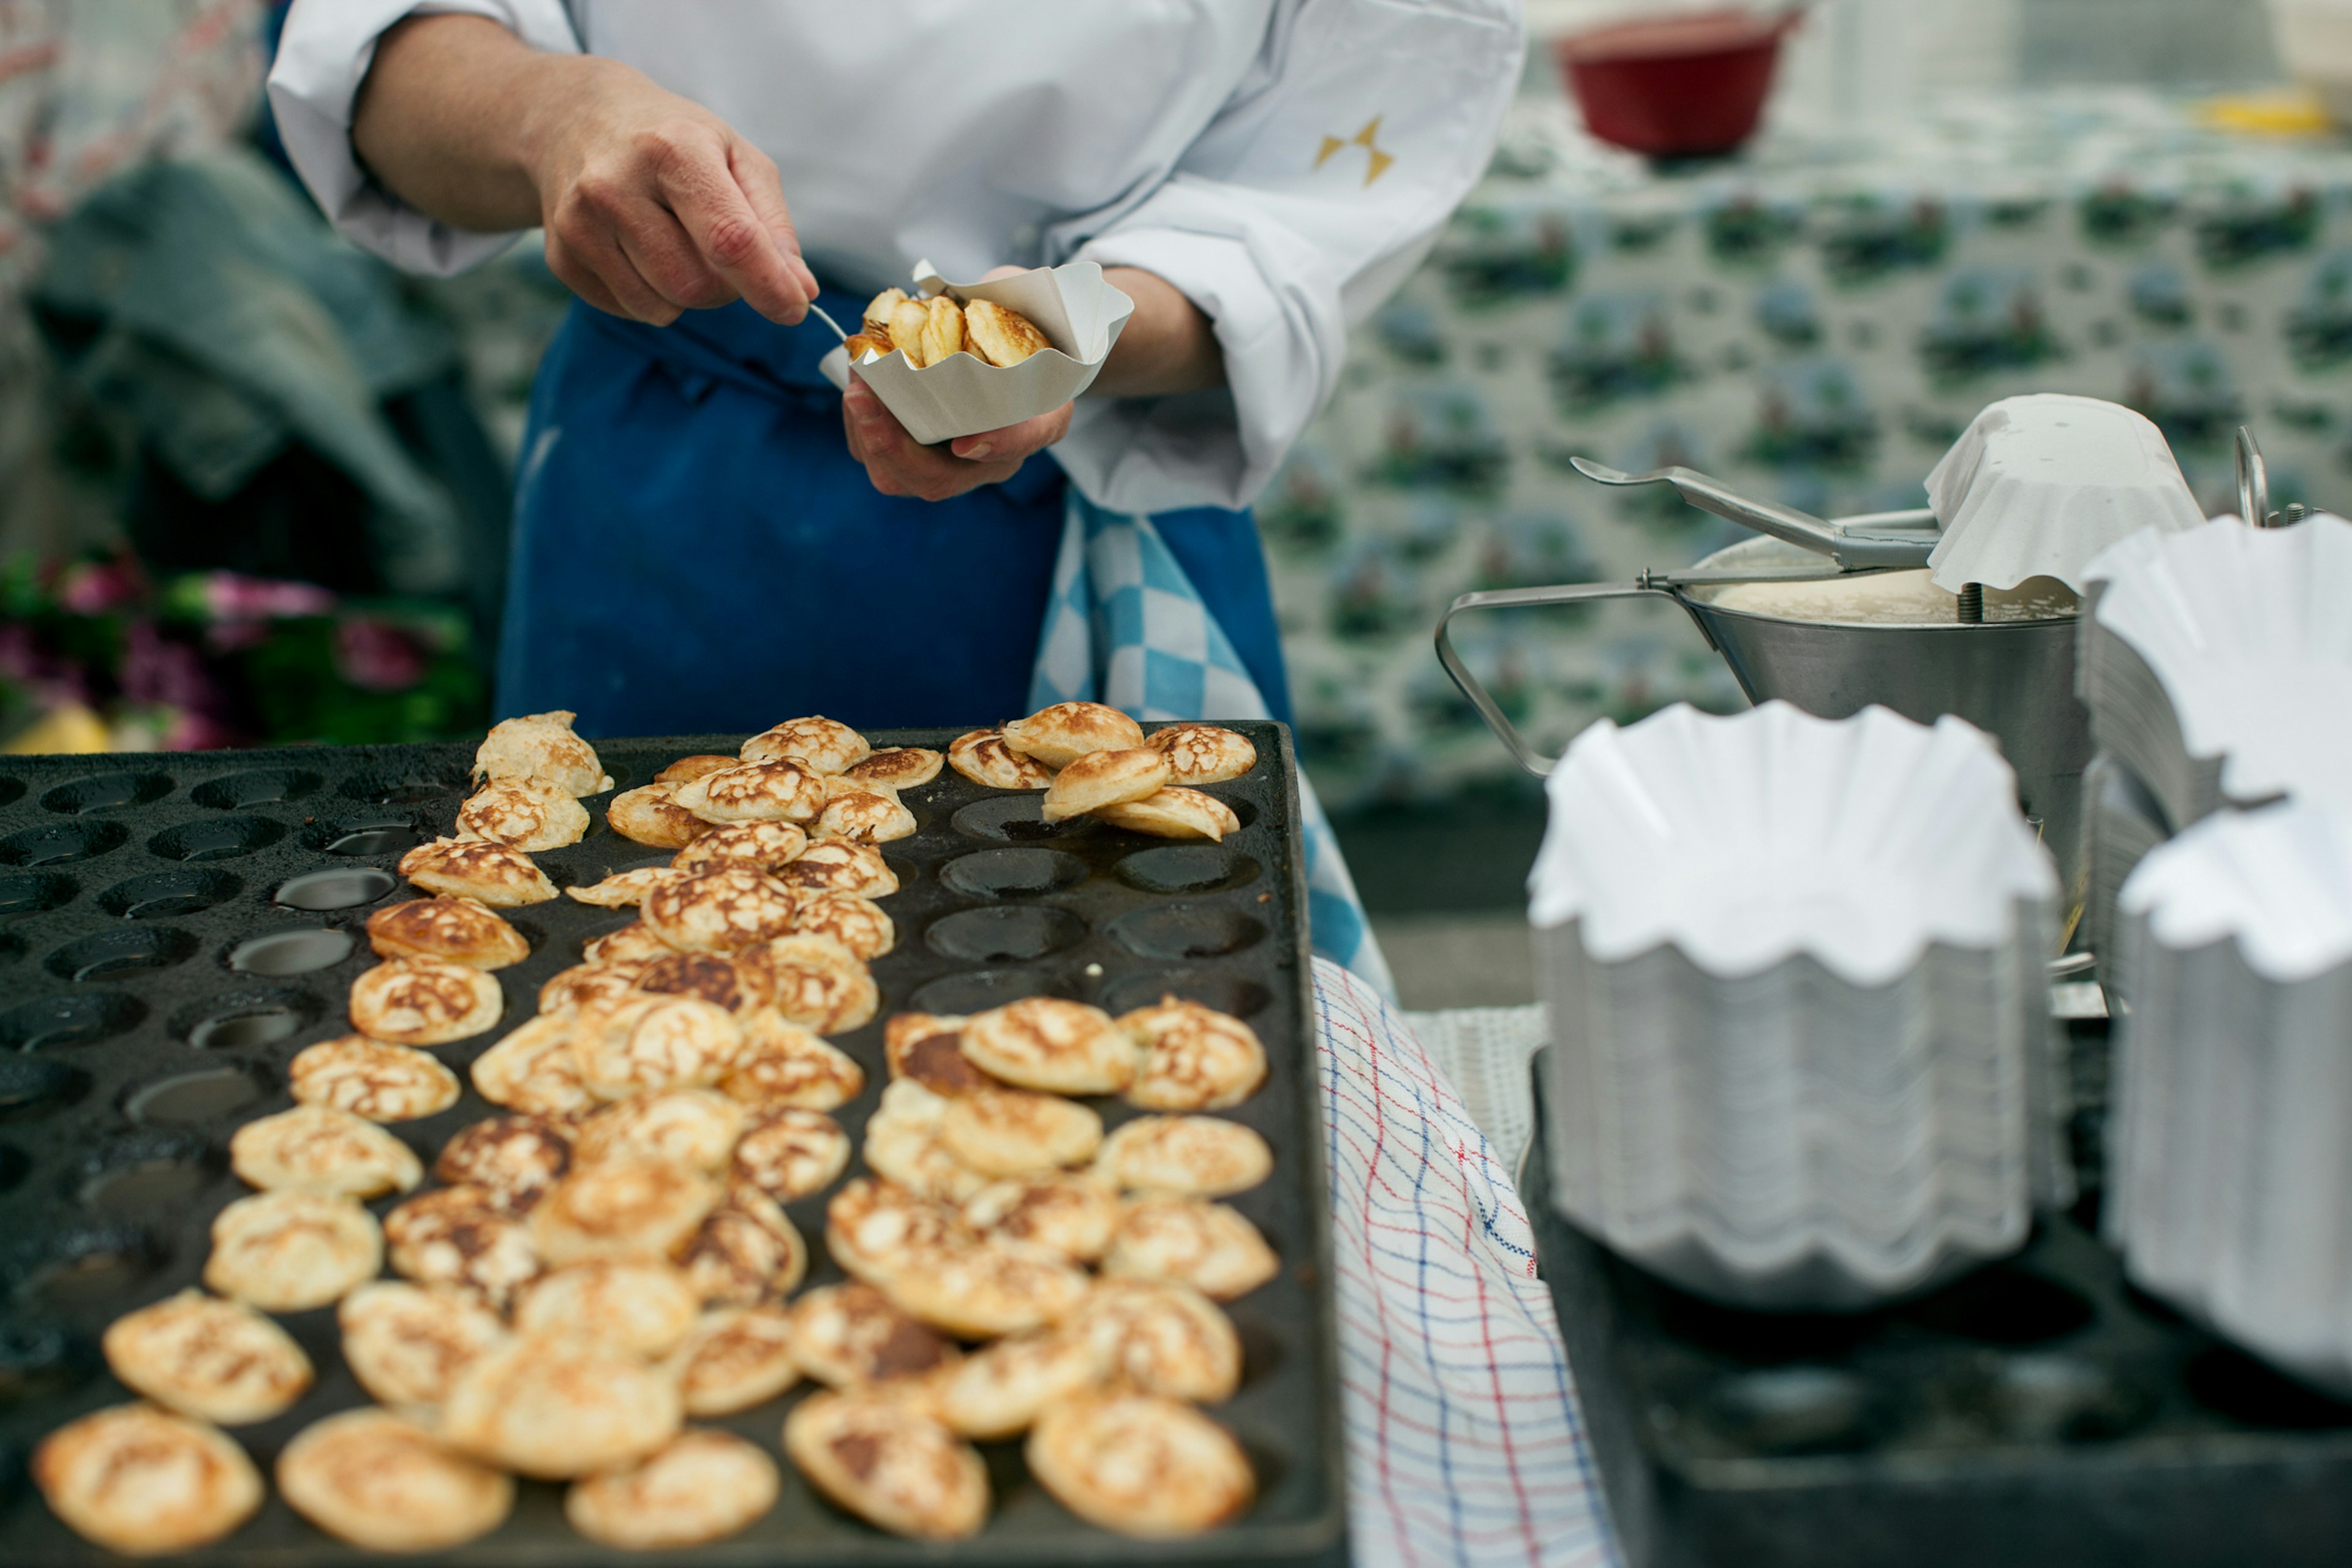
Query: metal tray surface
column 132, row 1044
column 2040, row 1410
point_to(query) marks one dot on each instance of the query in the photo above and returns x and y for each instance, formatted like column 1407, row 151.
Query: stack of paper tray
column 2231, row 1147
column 2121, row 824
column 1796, row 975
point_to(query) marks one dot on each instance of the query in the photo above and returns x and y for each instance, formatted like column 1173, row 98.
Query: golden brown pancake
column 1185, row 1157
column 1209, row 1246
column 878, row 314
column 620, row 1209
column 385, row 1484
column 747, row 1252
column 736, row 1357
column 890, row 1464
column 983, row 757
column 1174, row 813
column 489, row 873
column 1059, row 735
column 623, row 890
column 712, row 978
column 523, row 813
column 625, row 945
column 999, row 1392
column 1195, row 1057
column 824, row 745
column 319, row 1149
column 369, row 1079
column 686, row 770
column 643, row 1045
column 1163, row 1337
column 897, row 767
column 214, row 1360
column 752, row 846
column 541, row 746
column 930, row 1050
column 990, row 1288
column 290, row 1251
column 815, row 981
column 757, row 792
column 696, row 1128
column 642, row 1305
column 1141, row 1466
column 903, row 1145
column 424, row 1002
column 866, row 816
column 1015, row 1132
column 782, row 1064
column 406, row 1344
column 601, row 983
column 849, row 1336
column 877, row 1230
column 788, row 1154
column 704, row 1486
column 1203, row 753
column 1048, row 1043
column 1001, row 335
column 840, row 866
column 856, row 922
column 462, row 1238
column 1073, row 1216
column 718, row 911
column 560, row 1408
column 651, row 815
column 1104, row 778
column 513, row 1159
column 454, row 929
column 533, row 1070
column 907, row 328
column 142, row 1481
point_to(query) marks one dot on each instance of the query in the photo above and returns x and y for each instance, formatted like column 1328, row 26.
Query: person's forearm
column 1170, row 345
column 444, row 118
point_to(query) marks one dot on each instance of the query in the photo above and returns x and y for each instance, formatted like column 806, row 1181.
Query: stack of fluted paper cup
column 2231, row 1151
column 2122, row 823
column 2217, row 663
column 1803, row 1056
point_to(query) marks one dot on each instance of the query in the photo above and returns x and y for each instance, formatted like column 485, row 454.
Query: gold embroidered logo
column 1368, row 140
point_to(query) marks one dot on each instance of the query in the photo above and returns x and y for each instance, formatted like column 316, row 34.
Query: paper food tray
column 1074, row 305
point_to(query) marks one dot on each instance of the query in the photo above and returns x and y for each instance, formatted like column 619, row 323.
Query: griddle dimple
column 1187, row 868
column 1186, row 930
column 36, row 1086
column 221, row 838
column 1234, row 994
column 979, row 990
column 12, row 790
column 257, row 786
column 143, row 1173
column 1012, row 873
column 194, row 1099
column 244, row 1020
column 119, row 952
column 92, row 1268
column 364, row 836
column 54, row 1023
column 35, row 892
column 162, row 895
column 401, row 787
column 57, row 843
column 103, row 792
column 1006, row 933
column 1016, row 819
column 338, row 890
column 300, row 952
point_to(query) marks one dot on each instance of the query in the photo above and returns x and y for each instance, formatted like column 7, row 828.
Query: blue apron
column 695, row 551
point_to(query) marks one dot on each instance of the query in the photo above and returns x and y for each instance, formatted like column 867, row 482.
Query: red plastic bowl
column 1680, row 87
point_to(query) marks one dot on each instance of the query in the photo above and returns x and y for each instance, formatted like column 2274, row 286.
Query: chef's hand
column 899, row 467
column 652, row 203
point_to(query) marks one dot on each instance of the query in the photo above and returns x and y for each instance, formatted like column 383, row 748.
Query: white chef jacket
column 1284, row 163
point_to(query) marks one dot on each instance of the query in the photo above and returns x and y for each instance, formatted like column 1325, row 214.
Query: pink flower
column 98, row 587
column 233, row 597
column 378, row 656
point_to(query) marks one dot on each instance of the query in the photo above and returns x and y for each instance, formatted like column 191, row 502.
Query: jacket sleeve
column 323, row 57
column 1313, row 193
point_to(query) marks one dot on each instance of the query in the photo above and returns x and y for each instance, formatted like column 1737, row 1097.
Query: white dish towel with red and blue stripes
column 1464, row 1443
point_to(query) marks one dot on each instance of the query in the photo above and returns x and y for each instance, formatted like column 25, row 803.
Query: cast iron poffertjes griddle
column 175, row 929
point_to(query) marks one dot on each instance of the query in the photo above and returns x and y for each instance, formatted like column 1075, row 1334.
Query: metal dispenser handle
column 1505, row 731
column 2253, row 481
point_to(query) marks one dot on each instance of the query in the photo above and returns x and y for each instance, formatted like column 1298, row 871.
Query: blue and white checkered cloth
column 1126, row 626
column 1465, row 1447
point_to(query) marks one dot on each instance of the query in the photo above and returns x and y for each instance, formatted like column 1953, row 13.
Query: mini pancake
column 1195, row 1057
column 369, row 1079
column 840, row 866
column 1044, row 1043
column 718, row 911
column 1175, row 813
column 1206, row 1246
column 541, row 746
column 910, row 325
column 877, row 1230
column 641, row 1305
column 643, row 1045
column 1203, row 753
column 1003, row 337
column 524, row 814
column 1185, row 1157
column 1101, row 779
column 319, row 1149
column 992, row 1288
column 651, row 815
column 824, row 744
column 424, row 1002
column 512, row 1158
column 1014, row 1132
column 877, row 321
column 686, row 770
column 928, row 1049
column 752, row 846
column 983, row 757
column 454, row 929
column 623, row 890
column 461, row 1237
column 385, row 1484
column 849, row 1336
column 704, row 1486
column 214, row 1360
column 815, row 981
column 1163, row 1337
column 142, row 1481
column 1073, row 1216
column 533, row 1070
column 756, row 792
column 736, row 1357
column 998, row 1392
column 856, row 922
column 598, row 982
column 290, row 1251
column 866, row 816
column 788, row 1154
column 1061, row 734
column 782, row 1064
column 942, row 332
column 747, row 1252
column 696, row 1128
column 631, row 943
column 713, row 977
column 620, row 1209
column 406, row 1344
column 903, row 1145
column 1148, row 1467
column 558, row 1408
column 897, row 767
column 488, row 873
column 890, row 1465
